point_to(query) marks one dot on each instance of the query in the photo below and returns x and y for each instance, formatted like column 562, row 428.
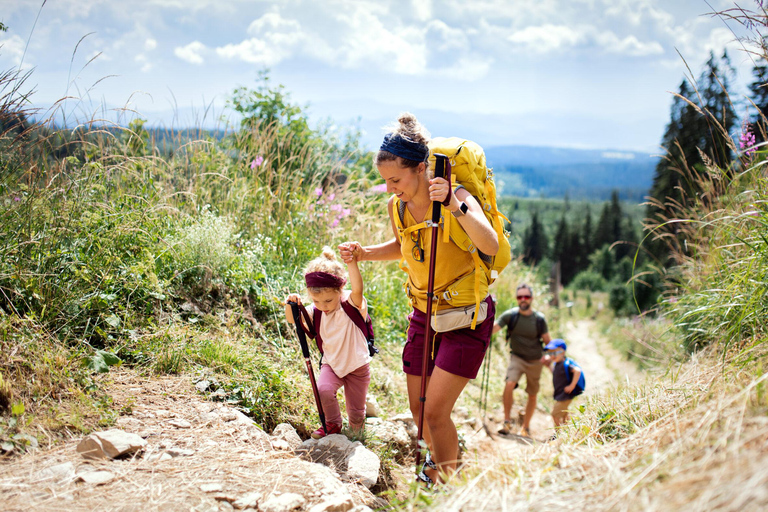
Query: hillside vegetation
column 113, row 252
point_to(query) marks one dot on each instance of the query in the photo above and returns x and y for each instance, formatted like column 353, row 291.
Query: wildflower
column 379, row 189
column 747, row 140
column 336, row 207
column 17, row 198
column 331, row 197
column 319, row 191
column 335, row 223
column 345, row 212
column 257, row 162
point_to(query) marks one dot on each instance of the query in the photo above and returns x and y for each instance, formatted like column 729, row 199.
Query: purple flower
column 335, row 223
column 331, row 197
column 747, row 140
column 319, row 191
column 345, row 212
column 379, row 189
column 257, row 162
column 17, row 198
column 336, row 207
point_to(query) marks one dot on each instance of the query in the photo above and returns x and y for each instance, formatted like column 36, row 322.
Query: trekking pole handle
column 299, row 329
column 441, row 163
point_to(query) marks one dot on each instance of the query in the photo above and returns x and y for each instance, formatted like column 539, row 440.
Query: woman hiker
column 457, row 355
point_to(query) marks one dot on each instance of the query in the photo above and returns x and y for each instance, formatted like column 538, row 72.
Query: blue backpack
column 581, row 384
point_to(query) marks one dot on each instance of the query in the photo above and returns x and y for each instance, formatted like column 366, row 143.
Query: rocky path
column 204, row 456
column 199, row 456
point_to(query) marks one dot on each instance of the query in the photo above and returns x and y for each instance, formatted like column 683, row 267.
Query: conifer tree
column 535, row 243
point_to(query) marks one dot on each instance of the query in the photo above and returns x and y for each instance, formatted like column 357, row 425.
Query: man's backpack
column 468, row 170
column 581, row 383
column 515, row 316
column 365, row 325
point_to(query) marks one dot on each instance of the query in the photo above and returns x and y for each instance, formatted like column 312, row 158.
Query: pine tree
column 759, row 90
column 604, row 229
column 586, row 233
column 535, row 243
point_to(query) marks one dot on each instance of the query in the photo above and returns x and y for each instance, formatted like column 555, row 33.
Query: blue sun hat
column 555, row 345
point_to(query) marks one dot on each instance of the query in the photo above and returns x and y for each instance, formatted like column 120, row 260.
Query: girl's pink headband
column 323, row 280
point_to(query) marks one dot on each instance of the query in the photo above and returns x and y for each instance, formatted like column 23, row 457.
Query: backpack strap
column 365, row 325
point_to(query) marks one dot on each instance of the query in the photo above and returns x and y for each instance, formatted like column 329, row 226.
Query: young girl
column 346, row 357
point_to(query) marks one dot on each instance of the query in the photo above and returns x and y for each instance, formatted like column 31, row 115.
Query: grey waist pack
column 458, row 318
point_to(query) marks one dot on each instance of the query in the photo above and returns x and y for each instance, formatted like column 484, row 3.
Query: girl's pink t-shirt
column 345, row 348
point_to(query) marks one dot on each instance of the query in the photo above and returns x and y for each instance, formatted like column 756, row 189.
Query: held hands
column 351, row 252
column 569, row 388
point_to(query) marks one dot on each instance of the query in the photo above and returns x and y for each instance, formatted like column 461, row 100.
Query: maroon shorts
column 459, row 352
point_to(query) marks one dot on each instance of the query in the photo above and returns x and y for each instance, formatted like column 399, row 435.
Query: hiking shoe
column 320, row 433
column 524, row 432
column 423, row 479
column 507, row 428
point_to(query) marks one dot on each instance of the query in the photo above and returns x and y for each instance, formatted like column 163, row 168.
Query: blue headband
column 404, row 148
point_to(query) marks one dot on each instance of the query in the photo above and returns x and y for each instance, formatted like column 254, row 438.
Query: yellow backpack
column 468, row 170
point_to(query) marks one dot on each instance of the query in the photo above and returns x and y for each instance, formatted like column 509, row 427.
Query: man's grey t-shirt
column 523, row 340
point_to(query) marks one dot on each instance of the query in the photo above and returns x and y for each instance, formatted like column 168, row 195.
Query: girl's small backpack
column 353, row 313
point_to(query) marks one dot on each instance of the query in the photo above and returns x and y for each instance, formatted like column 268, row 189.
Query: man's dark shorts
column 459, row 352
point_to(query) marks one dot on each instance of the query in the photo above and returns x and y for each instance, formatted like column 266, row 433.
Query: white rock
column 334, row 504
column 389, row 432
column 57, row 473
column 363, row 466
column 202, row 386
column 97, row 477
column 371, row 407
column 250, row 500
column 211, row 487
column 180, row 452
column 110, row 444
column 287, row 433
column 159, row 457
column 180, row 423
column 283, row 503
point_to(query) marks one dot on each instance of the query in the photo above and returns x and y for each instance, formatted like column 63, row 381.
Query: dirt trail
column 604, row 367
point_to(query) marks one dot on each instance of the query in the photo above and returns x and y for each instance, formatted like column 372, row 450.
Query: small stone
column 180, row 452
column 159, row 457
column 203, row 386
column 283, row 503
column 110, row 444
column 250, row 500
column 211, row 487
column 98, row 477
column 57, row 473
column 180, row 423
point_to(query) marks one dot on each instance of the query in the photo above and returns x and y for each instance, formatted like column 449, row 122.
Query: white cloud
column 12, row 47
column 150, row 44
column 422, row 9
column 630, row 45
column 192, row 53
column 546, row 38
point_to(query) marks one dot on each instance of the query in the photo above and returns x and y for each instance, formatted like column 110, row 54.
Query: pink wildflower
column 319, row 191
column 747, row 140
column 336, row 207
column 379, row 189
column 257, row 162
column 335, row 223
column 345, row 212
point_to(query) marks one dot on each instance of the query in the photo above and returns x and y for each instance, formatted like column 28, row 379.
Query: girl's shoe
column 320, row 433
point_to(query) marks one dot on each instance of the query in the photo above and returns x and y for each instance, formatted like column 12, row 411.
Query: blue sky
column 578, row 73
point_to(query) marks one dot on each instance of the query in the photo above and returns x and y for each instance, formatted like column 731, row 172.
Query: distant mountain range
column 533, row 171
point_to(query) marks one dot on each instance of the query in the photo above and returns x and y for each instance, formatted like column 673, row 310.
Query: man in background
column 527, row 333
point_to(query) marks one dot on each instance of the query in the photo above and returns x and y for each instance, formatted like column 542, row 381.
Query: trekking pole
column 442, row 168
column 305, row 350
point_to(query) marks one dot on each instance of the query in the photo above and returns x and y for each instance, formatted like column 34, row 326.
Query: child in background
column 567, row 379
column 346, row 356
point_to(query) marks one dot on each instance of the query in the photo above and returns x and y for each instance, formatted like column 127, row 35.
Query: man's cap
column 555, row 344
